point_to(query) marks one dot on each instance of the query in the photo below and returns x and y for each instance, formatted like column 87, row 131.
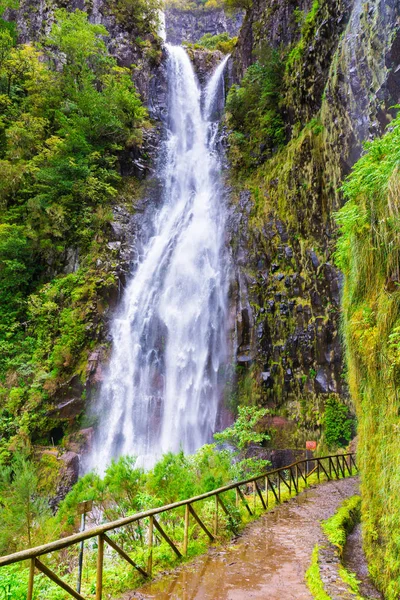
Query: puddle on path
column 268, row 561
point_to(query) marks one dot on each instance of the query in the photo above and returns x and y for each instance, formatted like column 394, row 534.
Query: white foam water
column 164, row 383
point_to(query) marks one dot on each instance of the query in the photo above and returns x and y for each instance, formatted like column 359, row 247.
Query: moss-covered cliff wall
column 339, row 82
column 369, row 252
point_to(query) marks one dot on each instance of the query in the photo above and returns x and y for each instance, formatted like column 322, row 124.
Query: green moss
column 276, row 185
column 369, row 254
column 350, row 579
column 313, row 578
column 342, row 522
column 307, row 31
column 336, row 529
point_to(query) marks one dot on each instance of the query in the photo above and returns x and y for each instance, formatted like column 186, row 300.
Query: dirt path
column 267, row 562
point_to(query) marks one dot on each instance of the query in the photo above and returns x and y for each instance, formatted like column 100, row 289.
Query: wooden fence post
column 31, row 577
column 186, row 531
column 216, row 515
column 150, row 547
column 100, row 561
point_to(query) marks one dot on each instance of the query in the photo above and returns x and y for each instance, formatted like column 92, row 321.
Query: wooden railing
column 328, row 467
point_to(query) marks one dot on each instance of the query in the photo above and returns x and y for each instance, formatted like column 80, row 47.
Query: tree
column 338, row 426
column 141, row 16
column 243, row 432
column 22, row 510
column 84, row 53
column 234, row 5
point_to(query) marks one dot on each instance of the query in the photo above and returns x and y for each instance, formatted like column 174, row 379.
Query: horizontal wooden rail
column 288, row 475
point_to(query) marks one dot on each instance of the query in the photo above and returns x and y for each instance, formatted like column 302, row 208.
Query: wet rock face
column 287, row 307
column 191, row 25
column 268, row 20
column 204, row 62
column 288, row 288
column 68, row 476
column 366, row 86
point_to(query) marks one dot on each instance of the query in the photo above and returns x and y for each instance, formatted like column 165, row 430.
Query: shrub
column 337, row 424
column 252, row 112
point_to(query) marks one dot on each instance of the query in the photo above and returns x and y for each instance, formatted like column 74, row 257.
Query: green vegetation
column 253, row 115
column 336, row 529
column 125, row 489
column 8, row 26
column 27, row 484
column 308, row 24
column 221, row 42
column 368, row 253
column 313, row 578
column 243, row 432
column 24, row 510
column 63, row 126
column 342, row 522
column 140, row 16
column 338, row 426
column 350, row 579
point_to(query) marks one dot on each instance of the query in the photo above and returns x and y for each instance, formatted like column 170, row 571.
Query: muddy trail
column 269, row 560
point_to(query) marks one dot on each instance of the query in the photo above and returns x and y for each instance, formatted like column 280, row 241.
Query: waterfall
column 164, row 383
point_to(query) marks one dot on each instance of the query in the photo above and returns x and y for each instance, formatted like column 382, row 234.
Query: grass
column 313, row 578
column 337, row 527
column 368, row 253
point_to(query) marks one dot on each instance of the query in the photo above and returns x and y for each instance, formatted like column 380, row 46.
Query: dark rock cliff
column 191, row 25
column 338, row 93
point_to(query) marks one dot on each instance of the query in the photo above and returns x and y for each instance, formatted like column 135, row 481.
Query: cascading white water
column 164, row 383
